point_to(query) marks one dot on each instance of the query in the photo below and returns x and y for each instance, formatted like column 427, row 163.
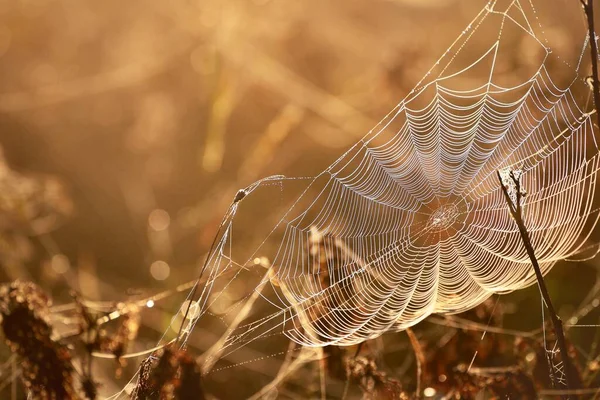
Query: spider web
column 411, row 220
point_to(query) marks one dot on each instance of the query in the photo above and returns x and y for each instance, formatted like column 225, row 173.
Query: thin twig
column 322, row 376
column 13, row 388
column 420, row 357
column 588, row 7
column 204, row 265
column 358, row 349
column 516, row 212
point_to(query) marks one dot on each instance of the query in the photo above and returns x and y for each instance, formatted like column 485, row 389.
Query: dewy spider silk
column 410, row 220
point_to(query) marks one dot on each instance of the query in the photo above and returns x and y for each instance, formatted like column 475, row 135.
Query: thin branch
column 588, row 7
column 13, row 386
column 516, row 212
column 420, row 359
column 192, row 296
column 322, row 375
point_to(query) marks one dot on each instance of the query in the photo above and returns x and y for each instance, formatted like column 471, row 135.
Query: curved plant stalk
column 514, row 205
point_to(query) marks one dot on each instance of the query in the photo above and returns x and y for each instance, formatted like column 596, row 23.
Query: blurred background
column 126, row 128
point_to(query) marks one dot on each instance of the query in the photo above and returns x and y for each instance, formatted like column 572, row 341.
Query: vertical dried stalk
column 322, row 377
column 420, row 359
column 516, row 212
column 588, row 7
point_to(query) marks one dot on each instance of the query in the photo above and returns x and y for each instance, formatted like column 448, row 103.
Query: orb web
column 411, row 220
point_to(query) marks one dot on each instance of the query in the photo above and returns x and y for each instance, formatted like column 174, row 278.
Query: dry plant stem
column 13, row 386
column 420, row 359
column 516, row 212
column 347, row 384
column 322, row 375
column 588, row 7
column 204, row 265
column 230, row 214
